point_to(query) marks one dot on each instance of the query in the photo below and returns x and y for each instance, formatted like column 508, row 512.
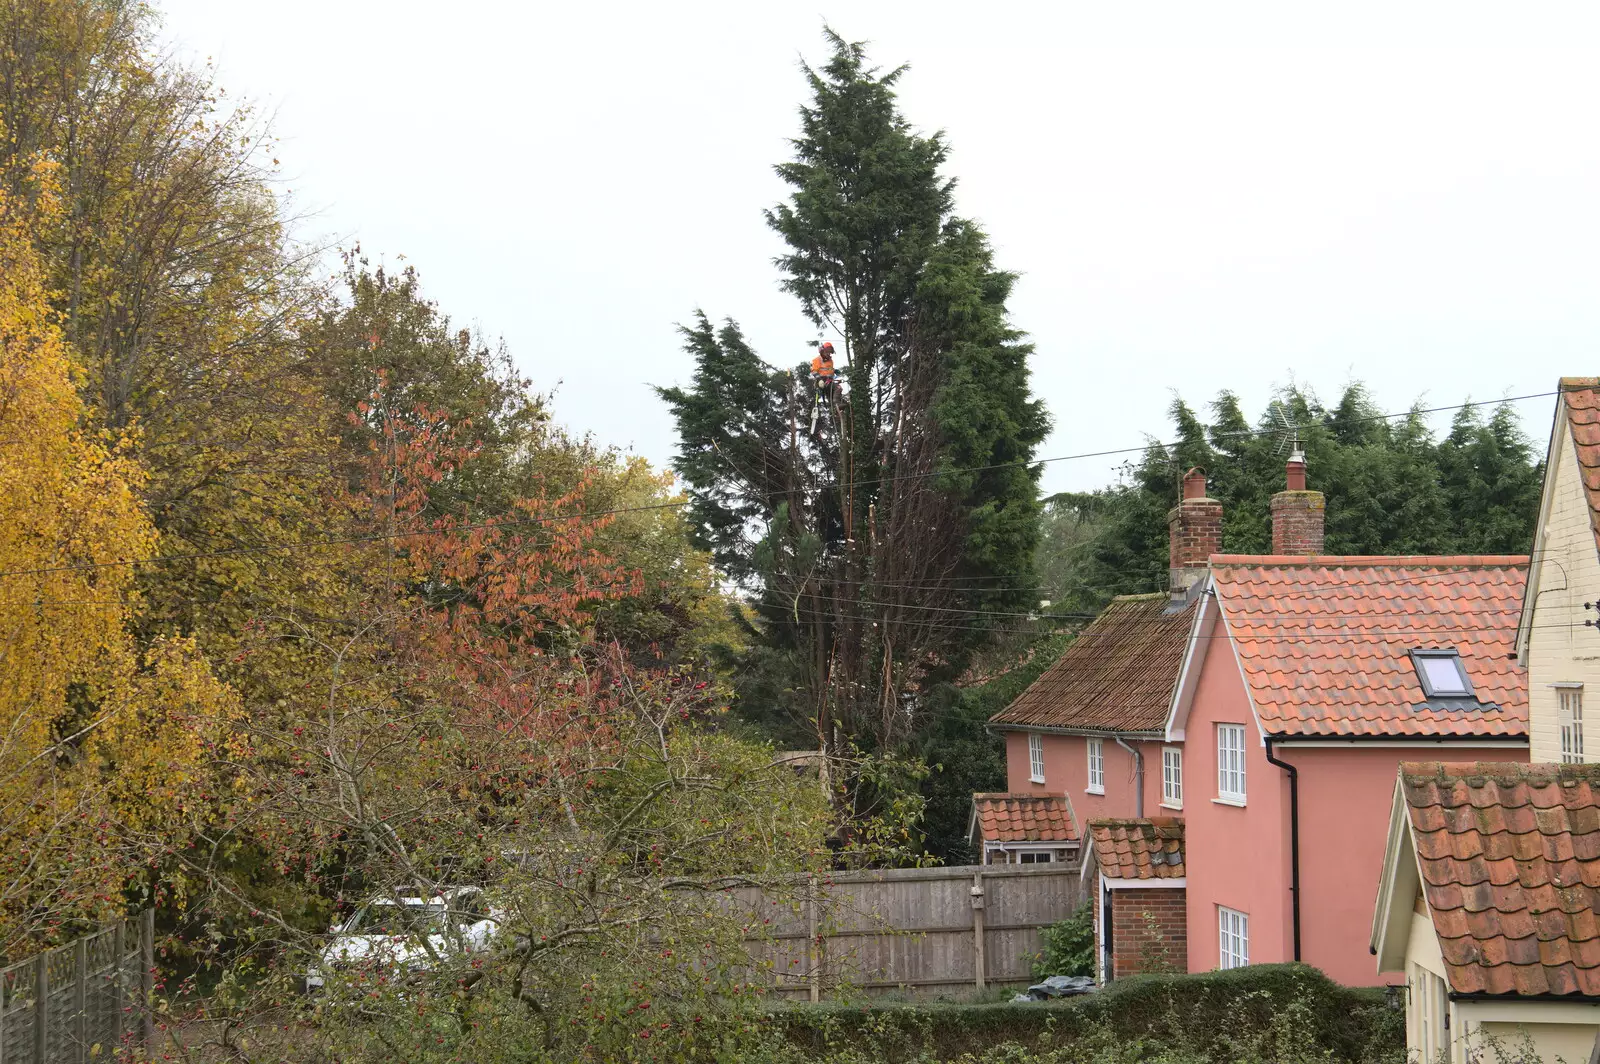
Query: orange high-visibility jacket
column 822, row 367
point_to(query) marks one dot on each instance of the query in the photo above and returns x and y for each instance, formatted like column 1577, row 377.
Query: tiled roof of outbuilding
column 1138, row 849
column 1510, row 861
column 1024, row 818
column 1118, row 674
column 1325, row 642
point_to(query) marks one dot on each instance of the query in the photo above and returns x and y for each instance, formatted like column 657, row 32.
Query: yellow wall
column 1560, row 648
column 1571, row 1042
column 1559, row 1031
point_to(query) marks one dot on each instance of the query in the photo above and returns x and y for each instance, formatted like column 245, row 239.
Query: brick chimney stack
column 1195, row 528
column 1297, row 514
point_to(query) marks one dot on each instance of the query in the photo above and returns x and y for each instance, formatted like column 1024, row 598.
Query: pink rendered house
column 1090, row 730
column 1303, row 682
column 1308, row 680
column 1090, row 726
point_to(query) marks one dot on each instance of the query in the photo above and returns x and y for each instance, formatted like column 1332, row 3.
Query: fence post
column 813, row 942
column 41, row 1007
column 119, row 963
column 978, row 941
column 80, row 998
column 147, row 982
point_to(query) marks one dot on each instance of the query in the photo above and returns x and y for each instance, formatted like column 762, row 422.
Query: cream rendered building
column 1490, row 893
column 1559, row 650
column 1487, row 901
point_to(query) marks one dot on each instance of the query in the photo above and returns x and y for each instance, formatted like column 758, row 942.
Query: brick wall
column 1148, row 931
column 1297, row 522
column 1196, row 530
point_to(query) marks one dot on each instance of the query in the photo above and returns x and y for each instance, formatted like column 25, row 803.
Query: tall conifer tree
column 879, row 547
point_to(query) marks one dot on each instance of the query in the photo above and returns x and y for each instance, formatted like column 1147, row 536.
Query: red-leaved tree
column 465, row 729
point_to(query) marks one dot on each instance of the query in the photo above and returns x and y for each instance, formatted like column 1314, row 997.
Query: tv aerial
column 1288, row 431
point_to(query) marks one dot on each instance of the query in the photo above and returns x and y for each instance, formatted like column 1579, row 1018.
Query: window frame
column 1039, row 857
column 1035, row 757
column 1224, row 794
column 1445, row 654
column 1569, row 722
column 1234, row 923
column 1430, row 1006
column 1172, row 777
column 1095, row 749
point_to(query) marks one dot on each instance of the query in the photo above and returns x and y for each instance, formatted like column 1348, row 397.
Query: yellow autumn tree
column 181, row 296
column 101, row 747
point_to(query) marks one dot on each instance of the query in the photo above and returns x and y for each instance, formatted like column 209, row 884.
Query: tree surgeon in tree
column 822, row 373
column 876, row 549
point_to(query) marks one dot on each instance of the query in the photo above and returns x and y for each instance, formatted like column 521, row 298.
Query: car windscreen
column 397, row 920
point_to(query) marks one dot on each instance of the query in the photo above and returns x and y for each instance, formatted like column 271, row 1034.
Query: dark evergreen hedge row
column 1205, row 1013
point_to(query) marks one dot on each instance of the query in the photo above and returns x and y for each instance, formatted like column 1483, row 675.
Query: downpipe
column 1138, row 777
column 1294, row 838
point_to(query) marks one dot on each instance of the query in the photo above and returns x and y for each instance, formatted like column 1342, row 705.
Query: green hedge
column 1210, row 1016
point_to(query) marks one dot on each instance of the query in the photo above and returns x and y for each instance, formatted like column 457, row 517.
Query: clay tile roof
column 1024, row 818
column 1138, row 849
column 1510, row 861
column 1118, row 675
column 1582, row 398
column 1324, row 642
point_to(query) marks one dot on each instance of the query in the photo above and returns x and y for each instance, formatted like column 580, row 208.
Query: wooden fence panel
column 1035, row 900
column 913, row 930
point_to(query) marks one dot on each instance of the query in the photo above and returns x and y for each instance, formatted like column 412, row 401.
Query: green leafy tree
column 1491, row 481
column 876, row 548
column 383, row 334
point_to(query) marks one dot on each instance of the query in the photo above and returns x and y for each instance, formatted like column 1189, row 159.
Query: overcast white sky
column 1197, row 196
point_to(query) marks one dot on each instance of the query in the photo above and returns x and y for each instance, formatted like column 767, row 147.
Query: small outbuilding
column 1134, row 870
column 1488, row 902
column 1024, row 829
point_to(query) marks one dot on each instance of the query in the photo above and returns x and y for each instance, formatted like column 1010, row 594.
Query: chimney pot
column 1194, row 484
column 1296, row 471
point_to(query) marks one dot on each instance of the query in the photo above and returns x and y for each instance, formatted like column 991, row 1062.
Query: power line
column 819, row 607
column 1415, row 412
column 1296, row 634
column 1354, row 589
column 781, row 598
column 309, row 544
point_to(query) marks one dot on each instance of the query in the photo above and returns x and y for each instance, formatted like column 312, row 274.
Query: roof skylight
column 1442, row 673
